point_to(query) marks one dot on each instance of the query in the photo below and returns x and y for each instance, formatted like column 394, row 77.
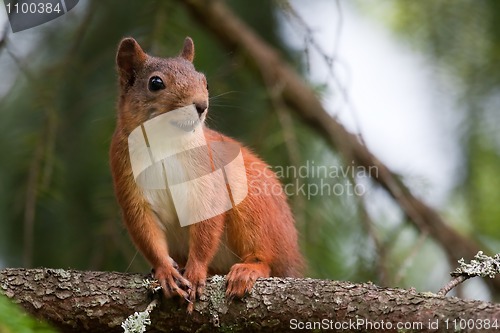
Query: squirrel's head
column 151, row 86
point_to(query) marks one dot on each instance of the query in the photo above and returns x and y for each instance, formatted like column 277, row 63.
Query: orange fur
column 255, row 239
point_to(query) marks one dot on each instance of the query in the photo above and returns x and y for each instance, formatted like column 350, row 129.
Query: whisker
column 225, row 105
column 223, row 94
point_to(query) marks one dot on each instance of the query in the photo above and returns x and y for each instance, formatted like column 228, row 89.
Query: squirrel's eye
column 155, row 84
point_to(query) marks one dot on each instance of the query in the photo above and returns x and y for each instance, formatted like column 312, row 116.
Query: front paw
column 242, row 277
column 197, row 277
column 172, row 282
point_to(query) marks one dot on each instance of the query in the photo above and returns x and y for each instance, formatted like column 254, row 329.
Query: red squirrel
column 255, row 239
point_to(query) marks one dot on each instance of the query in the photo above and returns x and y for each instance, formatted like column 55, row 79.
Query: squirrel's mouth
column 186, row 125
column 185, row 118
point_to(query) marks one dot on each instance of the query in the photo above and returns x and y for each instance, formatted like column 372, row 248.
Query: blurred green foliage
column 14, row 320
column 463, row 38
column 59, row 115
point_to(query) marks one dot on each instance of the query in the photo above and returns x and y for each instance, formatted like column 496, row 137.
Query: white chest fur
column 166, row 152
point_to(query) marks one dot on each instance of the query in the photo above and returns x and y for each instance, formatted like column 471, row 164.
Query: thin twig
column 452, row 284
column 3, row 38
column 409, row 259
column 380, row 249
column 43, row 157
column 330, row 60
column 482, row 265
column 290, row 140
column 30, row 204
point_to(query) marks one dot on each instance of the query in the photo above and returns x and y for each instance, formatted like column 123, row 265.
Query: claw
column 171, row 282
column 197, row 278
column 190, row 308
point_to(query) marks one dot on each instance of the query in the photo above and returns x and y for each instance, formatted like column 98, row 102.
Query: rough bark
column 80, row 301
column 215, row 16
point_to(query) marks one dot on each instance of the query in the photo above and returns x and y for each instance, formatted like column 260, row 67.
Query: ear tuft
column 188, row 49
column 129, row 58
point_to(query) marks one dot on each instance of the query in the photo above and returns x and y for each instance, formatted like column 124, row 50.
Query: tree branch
column 235, row 34
column 79, row 301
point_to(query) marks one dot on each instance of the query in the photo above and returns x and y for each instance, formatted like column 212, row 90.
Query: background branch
column 235, row 34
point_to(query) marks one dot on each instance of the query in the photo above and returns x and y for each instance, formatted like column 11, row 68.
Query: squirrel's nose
column 201, row 107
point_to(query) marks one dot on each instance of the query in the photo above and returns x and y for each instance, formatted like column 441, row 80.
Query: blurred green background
column 58, row 93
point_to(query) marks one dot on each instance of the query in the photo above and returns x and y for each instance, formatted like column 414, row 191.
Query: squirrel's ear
column 129, row 58
column 188, row 49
